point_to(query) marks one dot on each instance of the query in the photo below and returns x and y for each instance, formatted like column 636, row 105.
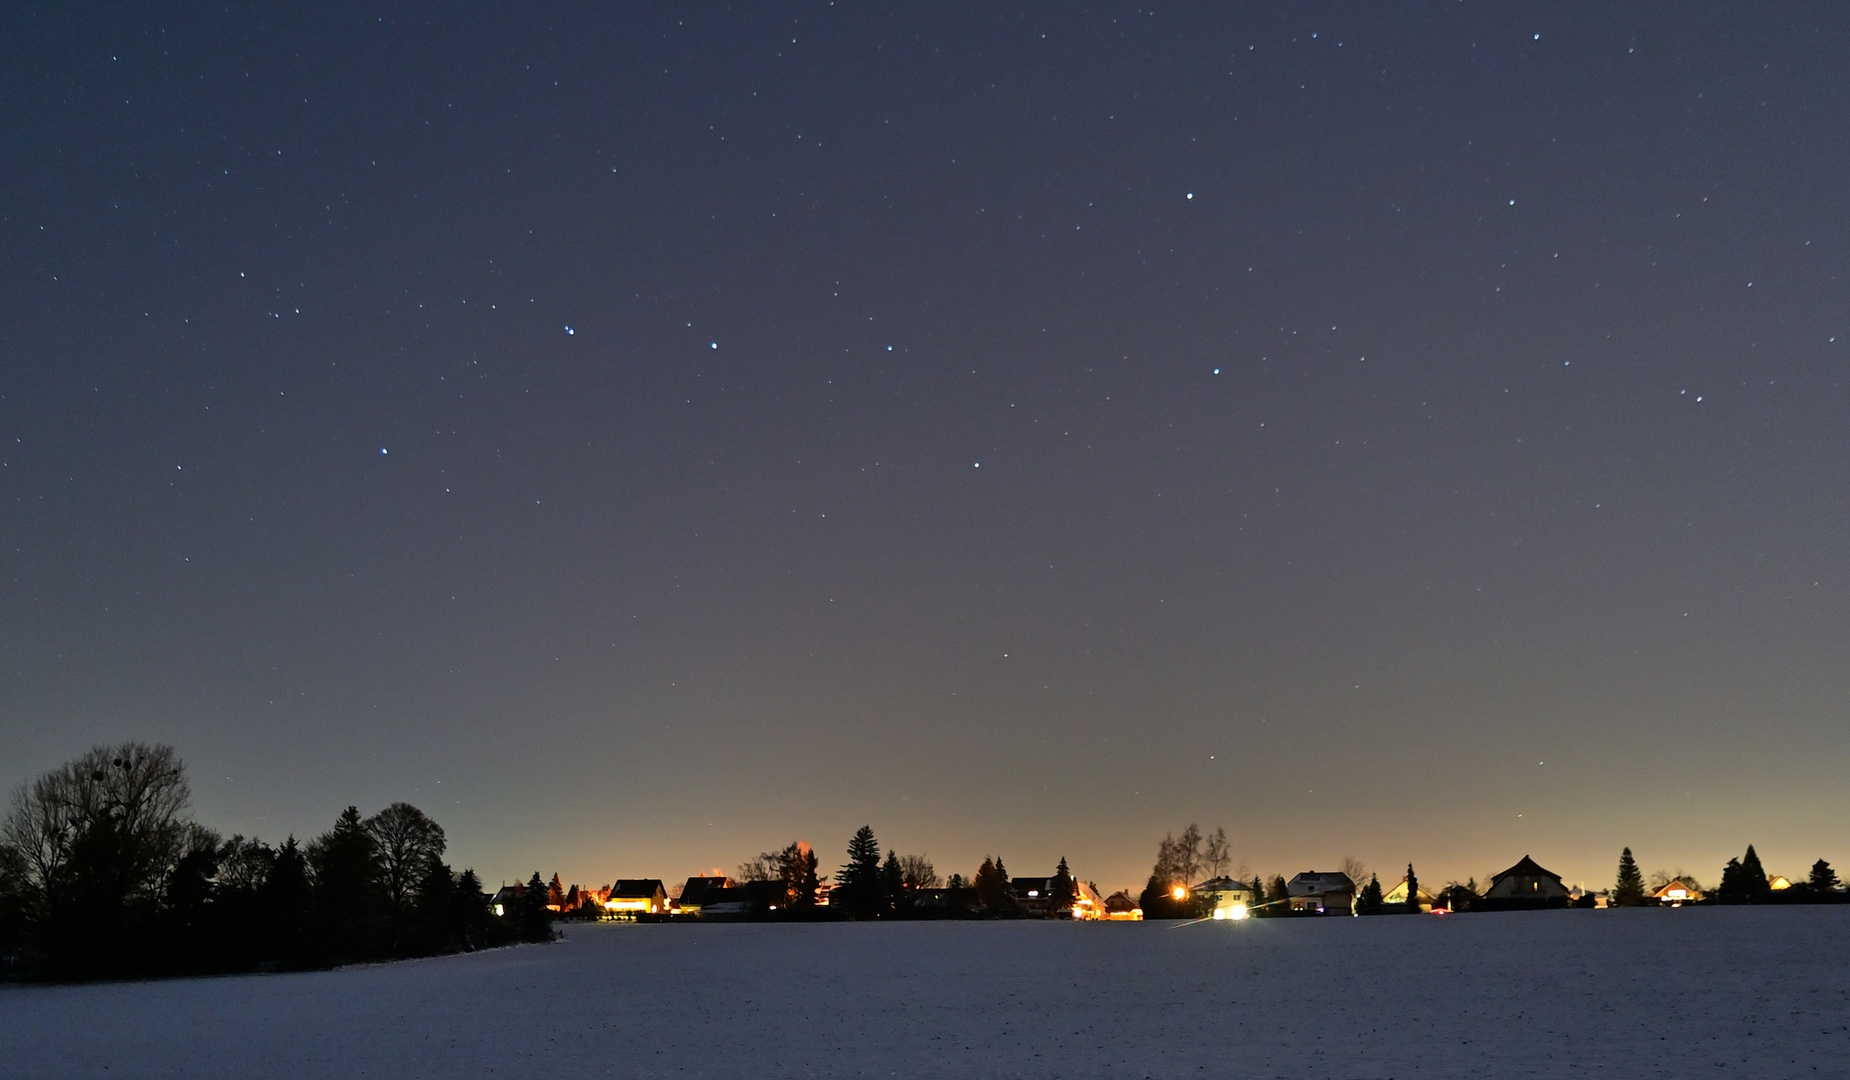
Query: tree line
column 104, row 875
column 894, row 886
column 1743, row 881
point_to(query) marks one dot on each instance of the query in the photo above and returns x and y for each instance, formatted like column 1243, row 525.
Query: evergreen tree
column 858, row 890
column 555, row 892
column 1628, row 890
column 535, row 919
column 1753, row 876
column 1280, row 892
column 286, row 900
column 1731, row 891
column 433, row 928
column 958, row 900
column 1823, row 879
column 809, row 886
column 893, row 894
column 1413, row 891
column 1369, row 903
column 350, row 898
column 1062, row 890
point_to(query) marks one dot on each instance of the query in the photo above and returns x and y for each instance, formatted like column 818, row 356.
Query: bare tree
column 762, row 867
column 1353, row 867
column 917, row 872
column 107, row 825
column 1165, row 872
column 1217, row 859
column 1188, row 854
column 407, row 841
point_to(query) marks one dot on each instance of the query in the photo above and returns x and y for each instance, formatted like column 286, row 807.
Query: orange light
column 1178, row 892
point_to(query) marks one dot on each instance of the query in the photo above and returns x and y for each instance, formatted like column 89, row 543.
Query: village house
column 630, row 897
column 1397, row 896
column 1675, row 894
column 695, row 892
column 1121, row 906
column 1327, row 892
column 1525, row 885
column 1225, row 893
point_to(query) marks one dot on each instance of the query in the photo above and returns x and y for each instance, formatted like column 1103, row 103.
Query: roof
column 697, row 889
column 628, row 888
column 1224, row 884
column 1312, row 882
column 1526, row 867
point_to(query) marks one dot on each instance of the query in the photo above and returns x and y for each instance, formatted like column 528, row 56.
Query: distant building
column 1397, row 896
column 1778, row 881
column 1225, row 893
column 736, row 901
column 1121, row 906
column 630, row 897
column 1328, row 892
column 1676, row 894
column 1033, row 894
column 1525, row 885
column 1088, row 904
column 694, row 893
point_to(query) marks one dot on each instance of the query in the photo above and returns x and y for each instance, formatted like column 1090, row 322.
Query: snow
column 1721, row 992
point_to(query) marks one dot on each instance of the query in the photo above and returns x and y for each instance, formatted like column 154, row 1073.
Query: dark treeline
column 784, row 885
column 102, row 875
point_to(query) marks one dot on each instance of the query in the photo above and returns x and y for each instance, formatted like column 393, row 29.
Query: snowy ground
column 1715, row 992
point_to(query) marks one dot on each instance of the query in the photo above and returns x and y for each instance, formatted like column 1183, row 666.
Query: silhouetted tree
column 859, row 891
column 1279, row 892
column 97, row 840
column 796, row 867
column 1062, row 890
column 286, row 900
column 893, row 893
column 918, row 872
column 958, row 898
column 1628, row 890
column 1413, row 891
column 1823, row 879
column 1753, row 875
column 1369, row 902
column 350, row 899
column 535, row 919
column 1217, row 858
column 1458, row 896
column 992, row 887
column 1744, row 881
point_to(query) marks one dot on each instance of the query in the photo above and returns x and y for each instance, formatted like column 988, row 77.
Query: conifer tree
column 535, row 921
column 893, row 893
column 1413, row 891
column 1823, row 879
column 1628, row 890
column 1753, row 876
column 1062, row 890
column 555, row 892
column 1371, row 896
column 859, row 879
column 350, row 896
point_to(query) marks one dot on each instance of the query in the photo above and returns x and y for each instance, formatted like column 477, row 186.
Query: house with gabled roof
column 1523, row 886
column 697, row 890
column 1675, row 893
column 630, row 897
column 1397, row 896
column 1326, row 892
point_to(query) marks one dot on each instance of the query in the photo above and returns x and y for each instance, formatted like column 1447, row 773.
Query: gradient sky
column 645, row 434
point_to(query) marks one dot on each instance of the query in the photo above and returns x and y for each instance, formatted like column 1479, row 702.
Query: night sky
column 643, row 435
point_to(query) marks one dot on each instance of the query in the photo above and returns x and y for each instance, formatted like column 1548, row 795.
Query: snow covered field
column 1712, row 992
